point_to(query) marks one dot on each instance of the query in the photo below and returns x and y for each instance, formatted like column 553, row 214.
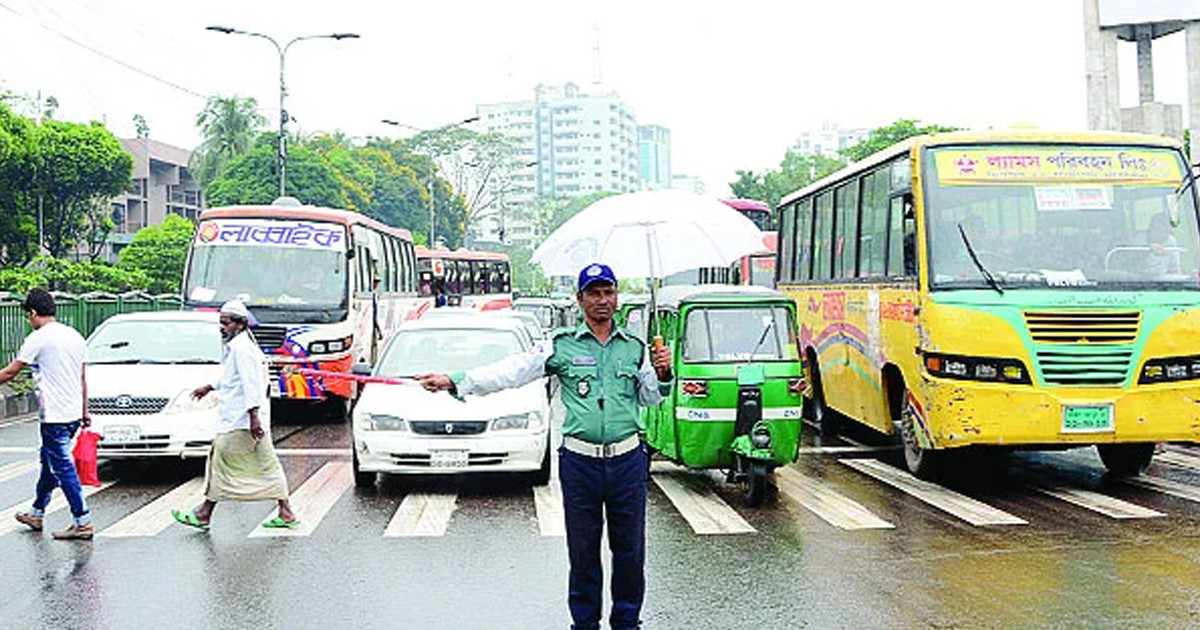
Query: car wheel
column 362, row 479
column 541, row 476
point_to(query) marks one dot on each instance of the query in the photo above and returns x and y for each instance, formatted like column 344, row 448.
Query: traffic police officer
column 602, row 467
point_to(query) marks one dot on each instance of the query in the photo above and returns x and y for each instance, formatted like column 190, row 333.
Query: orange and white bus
column 473, row 279
column 1003, row 290
column 325, row 287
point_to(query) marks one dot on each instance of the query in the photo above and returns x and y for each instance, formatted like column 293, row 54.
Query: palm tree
column 229, row 126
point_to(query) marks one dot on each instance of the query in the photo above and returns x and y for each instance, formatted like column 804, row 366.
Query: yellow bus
column 1002, row 289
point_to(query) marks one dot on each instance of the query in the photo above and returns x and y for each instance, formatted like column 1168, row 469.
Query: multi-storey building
column 654, row 153
column 829, row 140
column 162, row 184
column 576, row 144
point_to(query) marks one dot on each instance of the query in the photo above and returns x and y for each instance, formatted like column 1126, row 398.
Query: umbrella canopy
column 650, row 234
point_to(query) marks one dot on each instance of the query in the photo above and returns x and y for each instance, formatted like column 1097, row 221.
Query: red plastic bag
column 85, row 458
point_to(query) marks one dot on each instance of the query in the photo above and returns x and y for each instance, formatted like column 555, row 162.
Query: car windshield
column 445, row 350
column 543, row 312
column 733, row 334
column 155, row 341
column 1060, row 217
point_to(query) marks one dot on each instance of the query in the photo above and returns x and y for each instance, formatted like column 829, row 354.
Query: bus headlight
column 976, row 368
column 1170, row 369
column 330, row 345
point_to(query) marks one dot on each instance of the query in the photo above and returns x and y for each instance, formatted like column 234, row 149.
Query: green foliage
column 884, row 137
column 527, row 277
column 79, row 167
column 228, row 128
column 18, row 218
column 254, row 179
column 73, row 277
column 159, row 252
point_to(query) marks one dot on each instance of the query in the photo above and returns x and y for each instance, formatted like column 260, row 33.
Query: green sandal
column 189, row 518
column 279, row 523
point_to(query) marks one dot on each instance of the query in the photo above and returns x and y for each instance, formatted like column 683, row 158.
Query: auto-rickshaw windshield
column 759, row 333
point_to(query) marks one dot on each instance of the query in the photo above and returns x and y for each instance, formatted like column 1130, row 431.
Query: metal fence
column 81, row 312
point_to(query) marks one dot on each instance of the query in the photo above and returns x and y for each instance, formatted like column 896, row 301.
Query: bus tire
column 827, row 421
column 922, row 462
column 1125, row 459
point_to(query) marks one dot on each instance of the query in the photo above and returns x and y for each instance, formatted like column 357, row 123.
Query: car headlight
column 383, row 422
column 976, row 368
column 184, row 403
column 1170, row 369
column 531, row 420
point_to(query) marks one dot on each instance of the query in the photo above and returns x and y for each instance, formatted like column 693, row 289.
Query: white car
column 141, row 370
column 404, row 429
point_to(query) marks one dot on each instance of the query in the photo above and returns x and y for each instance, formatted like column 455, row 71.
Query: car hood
column 412, row 402
column 159, row 380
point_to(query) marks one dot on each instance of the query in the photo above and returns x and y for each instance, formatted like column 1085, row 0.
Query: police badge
column 583, row 388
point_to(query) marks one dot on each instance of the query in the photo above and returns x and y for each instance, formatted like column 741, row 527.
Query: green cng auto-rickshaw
column 738, row 383
column 631, row 314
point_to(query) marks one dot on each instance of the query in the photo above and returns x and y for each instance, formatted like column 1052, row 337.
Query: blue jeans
column 58, row 471
column 592, row 489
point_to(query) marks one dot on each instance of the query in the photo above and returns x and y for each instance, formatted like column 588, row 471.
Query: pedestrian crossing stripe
column 17, row 469
column 8, row 521
column 958, row 505
column 832, row 507
column 1166, row 486
column 1100, row 503
column 154, row 517
column 547, row 501
column 312, row 500
column 697, row 503
column 422, row 514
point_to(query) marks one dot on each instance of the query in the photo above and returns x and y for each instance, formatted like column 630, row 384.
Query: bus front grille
column 1084, row 365
column 1083, row 327
column 269, row 337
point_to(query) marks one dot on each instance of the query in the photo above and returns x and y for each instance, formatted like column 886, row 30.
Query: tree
column 18, row 218
column 884, row 137
column 72, row 277
column 159, row 252
column 142, row 127
column 254, row 178
column 449, row 207
column 229, row 127
column 795, row 172
column 78, row 168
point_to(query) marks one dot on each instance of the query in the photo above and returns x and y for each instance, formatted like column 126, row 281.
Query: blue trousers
column 58, row 471
column 594, row 489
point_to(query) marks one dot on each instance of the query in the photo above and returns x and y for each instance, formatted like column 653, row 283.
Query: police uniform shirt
column 602, row 385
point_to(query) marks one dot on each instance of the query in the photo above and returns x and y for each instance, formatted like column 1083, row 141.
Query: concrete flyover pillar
column 1103, row 85
column 1193, row 85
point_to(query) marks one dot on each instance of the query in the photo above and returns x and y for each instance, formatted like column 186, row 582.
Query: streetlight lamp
column 432, row 160
column 283, row 115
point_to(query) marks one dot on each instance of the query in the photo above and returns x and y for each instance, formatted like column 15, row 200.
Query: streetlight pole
column 432, row 161
column 283, row 115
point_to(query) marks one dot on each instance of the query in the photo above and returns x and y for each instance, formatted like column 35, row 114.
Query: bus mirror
column 361, row 369
column 350, row 252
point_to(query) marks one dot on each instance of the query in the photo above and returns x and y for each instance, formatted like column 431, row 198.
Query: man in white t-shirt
column 54, row 351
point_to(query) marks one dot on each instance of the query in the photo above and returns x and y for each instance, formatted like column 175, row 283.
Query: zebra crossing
column 697, row 497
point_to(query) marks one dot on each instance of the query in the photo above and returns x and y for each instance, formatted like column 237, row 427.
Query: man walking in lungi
column 242, row 464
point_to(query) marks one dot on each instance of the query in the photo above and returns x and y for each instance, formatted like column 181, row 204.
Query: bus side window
column 910, row 237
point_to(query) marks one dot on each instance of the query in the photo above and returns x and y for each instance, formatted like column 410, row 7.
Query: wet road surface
column 848, row 541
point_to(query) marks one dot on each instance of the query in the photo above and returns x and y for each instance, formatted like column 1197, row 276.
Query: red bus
column 758, row 268
column 474, row 279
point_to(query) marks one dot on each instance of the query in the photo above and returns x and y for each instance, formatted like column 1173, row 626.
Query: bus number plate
column 1087, row 418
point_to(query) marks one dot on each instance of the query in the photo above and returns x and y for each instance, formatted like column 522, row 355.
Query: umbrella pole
column 658, row 340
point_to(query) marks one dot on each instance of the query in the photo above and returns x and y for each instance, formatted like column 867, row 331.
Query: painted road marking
column 1173, row 488
column 18, row 450
column 834, row 508
column 549, row 503
column 17, row 469
column 1102, row 503
column 313, row 500
column 706, row 512
column 957, row 505
column 845, row 450
column 1179, row 459
column 8, row 521
column 422, row 514
column 154, row 517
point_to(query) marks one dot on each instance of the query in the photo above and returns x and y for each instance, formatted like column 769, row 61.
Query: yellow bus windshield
column 1064, row 216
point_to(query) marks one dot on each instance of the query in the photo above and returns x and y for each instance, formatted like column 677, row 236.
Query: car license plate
column 121, row 433
column 448, row 459
column 1087, row 418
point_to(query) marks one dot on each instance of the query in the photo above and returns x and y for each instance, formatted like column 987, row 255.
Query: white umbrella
column 650, row 234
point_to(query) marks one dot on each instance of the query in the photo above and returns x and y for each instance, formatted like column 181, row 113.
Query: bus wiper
column 987, row 275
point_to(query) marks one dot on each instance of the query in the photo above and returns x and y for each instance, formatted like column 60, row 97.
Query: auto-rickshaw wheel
column 754, row 483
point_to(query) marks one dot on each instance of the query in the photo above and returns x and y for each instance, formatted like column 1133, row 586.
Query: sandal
column 189, row 518
column 279, row 523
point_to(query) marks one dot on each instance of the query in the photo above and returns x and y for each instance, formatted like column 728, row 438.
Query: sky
column 735, row 82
